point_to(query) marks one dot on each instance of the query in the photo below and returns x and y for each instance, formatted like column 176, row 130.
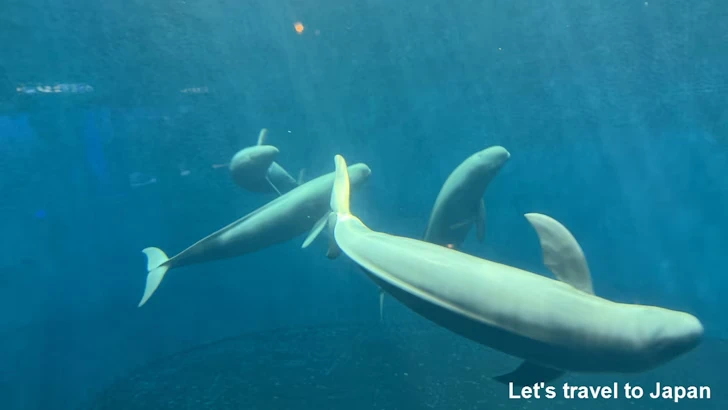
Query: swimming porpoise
column 460, row 203
column 254, row 169
column 553, row 325
column 284, row 218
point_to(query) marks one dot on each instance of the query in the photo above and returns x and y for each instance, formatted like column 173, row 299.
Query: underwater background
column 115, row 117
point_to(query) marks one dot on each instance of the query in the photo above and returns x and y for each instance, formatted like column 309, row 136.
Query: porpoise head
column 490, row 160
column 358, row 174
column 249, row 166
column 480, row 168
column 255, row 157
column 669, row 334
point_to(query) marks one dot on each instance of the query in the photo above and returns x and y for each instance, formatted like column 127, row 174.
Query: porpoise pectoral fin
column 480, row 222
column 316, row 230
column 301, row 176
column 528, row 374
column 273, row 186
column 381, row 305
column 279, row 177
column 458, row 225
column 334, row 250
column 262, row 136
column 561, row 252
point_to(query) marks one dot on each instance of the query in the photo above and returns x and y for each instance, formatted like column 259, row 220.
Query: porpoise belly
column 571, row 358
column 251, row 178
column 517, row 312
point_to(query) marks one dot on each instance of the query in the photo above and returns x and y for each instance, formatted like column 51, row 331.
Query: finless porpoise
column 553, row 325
column 306, row 207
column 254, row 169
column 460, row 205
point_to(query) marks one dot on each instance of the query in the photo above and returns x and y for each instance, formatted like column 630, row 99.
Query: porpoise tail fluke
column 340, row 194
column 156, row 268
column 262, row 136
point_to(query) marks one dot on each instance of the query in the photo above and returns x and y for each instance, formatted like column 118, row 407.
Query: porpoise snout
column 490, row 160
column 359, row 172
column 694, row 330
column 675, row 334
column 367, row 171
column 253, row 157
column 495, row 154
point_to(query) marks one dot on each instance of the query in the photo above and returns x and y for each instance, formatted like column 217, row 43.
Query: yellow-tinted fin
column 340, row 193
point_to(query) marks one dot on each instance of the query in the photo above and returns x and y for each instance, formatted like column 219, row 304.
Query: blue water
column 614, row 113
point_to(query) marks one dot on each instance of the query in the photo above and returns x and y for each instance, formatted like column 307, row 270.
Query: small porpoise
column 460, row 203
column 284, row 218
column 553, row 325
column 254, row 169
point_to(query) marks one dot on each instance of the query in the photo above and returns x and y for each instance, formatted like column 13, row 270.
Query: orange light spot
column 299, row 27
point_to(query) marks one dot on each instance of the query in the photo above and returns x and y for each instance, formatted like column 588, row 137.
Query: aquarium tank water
column 363, row 204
